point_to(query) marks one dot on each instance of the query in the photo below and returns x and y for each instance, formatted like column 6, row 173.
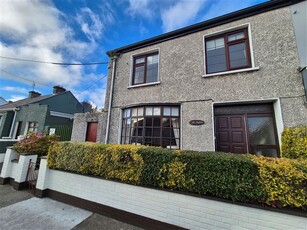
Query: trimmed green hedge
column 244, row 178
column 294, row 142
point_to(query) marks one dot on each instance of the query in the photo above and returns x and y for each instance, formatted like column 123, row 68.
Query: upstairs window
column 145, row 69
column 228, row 51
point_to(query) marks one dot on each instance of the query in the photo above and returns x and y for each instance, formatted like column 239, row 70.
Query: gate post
column 22, row 170
column 41, row 184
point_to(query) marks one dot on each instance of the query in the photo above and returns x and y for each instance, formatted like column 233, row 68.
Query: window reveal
column 229, row 51
column 152, row 125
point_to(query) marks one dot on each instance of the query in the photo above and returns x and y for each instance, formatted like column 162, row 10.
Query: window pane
column 152, row 69
column 166, row 132
column 175, row 111
column 148, row 121
column 149, row 111
column 148, row 132
column 127, row 113
column 156, row 132
column 140, row 111
column 166, row 122
column 261, row 130
column 166, row 111
column 216, row 55
column 236, row 36
column 139, row 75
column 134, row 112
column 237, row 55
column 139, row 60
column 157, row 121
column 157, row 111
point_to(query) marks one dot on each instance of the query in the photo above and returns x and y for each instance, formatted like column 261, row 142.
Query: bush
column 35, row 144
column 283, row 180
column 294, row 142
column 120, row 162
column 245, row 178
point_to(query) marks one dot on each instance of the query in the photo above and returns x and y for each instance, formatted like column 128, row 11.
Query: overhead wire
column 53, row 63
column 91, row 85
column 25, row 79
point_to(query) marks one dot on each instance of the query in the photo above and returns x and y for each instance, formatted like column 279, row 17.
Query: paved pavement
column 20, row 210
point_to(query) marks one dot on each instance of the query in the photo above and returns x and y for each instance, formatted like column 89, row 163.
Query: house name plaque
column 196, row 122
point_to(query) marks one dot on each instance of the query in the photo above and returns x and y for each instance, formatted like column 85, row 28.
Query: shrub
column 294, row 142
column 35, row 143
column 245, row 178
column 119, row 162
column 283, row 180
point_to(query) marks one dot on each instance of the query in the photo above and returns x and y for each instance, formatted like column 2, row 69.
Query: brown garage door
column 246, row 129
column 91, row 133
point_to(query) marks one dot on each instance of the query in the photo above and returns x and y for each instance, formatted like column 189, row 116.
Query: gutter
column 110, row 97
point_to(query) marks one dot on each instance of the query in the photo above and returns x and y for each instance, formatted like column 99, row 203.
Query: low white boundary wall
column 173, row 208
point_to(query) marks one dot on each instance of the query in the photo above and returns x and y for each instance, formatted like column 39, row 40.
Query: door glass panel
column 261, row 131
column 264, row 152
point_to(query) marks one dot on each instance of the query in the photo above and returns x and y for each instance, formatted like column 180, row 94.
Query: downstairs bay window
column 152, row 125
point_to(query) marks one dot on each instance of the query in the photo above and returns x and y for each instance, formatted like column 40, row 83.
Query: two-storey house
column 230, row 84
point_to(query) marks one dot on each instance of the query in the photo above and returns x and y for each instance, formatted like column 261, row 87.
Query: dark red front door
column 91, row 133
column 230, row 134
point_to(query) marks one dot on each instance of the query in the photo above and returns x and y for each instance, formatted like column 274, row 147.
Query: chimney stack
column 58, row 89
column 33, row 94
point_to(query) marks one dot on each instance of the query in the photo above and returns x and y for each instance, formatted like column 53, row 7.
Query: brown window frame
column 32, row 125
column 229, row 43
column 142, row 64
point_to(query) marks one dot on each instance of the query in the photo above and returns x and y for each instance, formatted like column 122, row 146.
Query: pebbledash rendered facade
column 230, row 84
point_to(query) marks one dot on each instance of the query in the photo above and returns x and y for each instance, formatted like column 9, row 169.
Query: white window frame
column 243, row 26
column 130, row 85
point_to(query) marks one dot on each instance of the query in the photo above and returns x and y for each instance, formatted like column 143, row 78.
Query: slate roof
column 26, row 101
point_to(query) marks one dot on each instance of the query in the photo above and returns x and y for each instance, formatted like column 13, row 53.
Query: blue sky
column 81, row 31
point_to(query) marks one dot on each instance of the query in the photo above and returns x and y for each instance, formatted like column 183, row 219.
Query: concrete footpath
column 20, row 210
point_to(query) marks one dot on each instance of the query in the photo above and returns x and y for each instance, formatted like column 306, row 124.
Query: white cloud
column 15, row 89
column 180, row 14
column 140, row 8
column 16, row 98
column 90, row 23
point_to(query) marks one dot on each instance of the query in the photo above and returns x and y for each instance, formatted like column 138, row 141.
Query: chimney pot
column 33, row 94
column 58, row 89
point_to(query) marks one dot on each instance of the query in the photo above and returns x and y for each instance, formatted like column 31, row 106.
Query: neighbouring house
column 230, row 84
column 38, row 113
column 2, row 101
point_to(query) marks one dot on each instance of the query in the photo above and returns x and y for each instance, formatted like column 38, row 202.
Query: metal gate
column 32, row 175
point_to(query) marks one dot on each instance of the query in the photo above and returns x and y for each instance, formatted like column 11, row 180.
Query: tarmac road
column 20, row 210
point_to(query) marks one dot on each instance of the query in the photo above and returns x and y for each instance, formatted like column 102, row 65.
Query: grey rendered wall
column 80, row 126
column 181, row 70
column 32, row 113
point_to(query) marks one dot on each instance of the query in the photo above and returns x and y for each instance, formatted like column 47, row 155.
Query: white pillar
column 23, row 166
column 41, row 183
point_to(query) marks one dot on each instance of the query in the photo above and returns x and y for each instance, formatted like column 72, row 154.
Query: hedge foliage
column 245, row 178
column 294, row 142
